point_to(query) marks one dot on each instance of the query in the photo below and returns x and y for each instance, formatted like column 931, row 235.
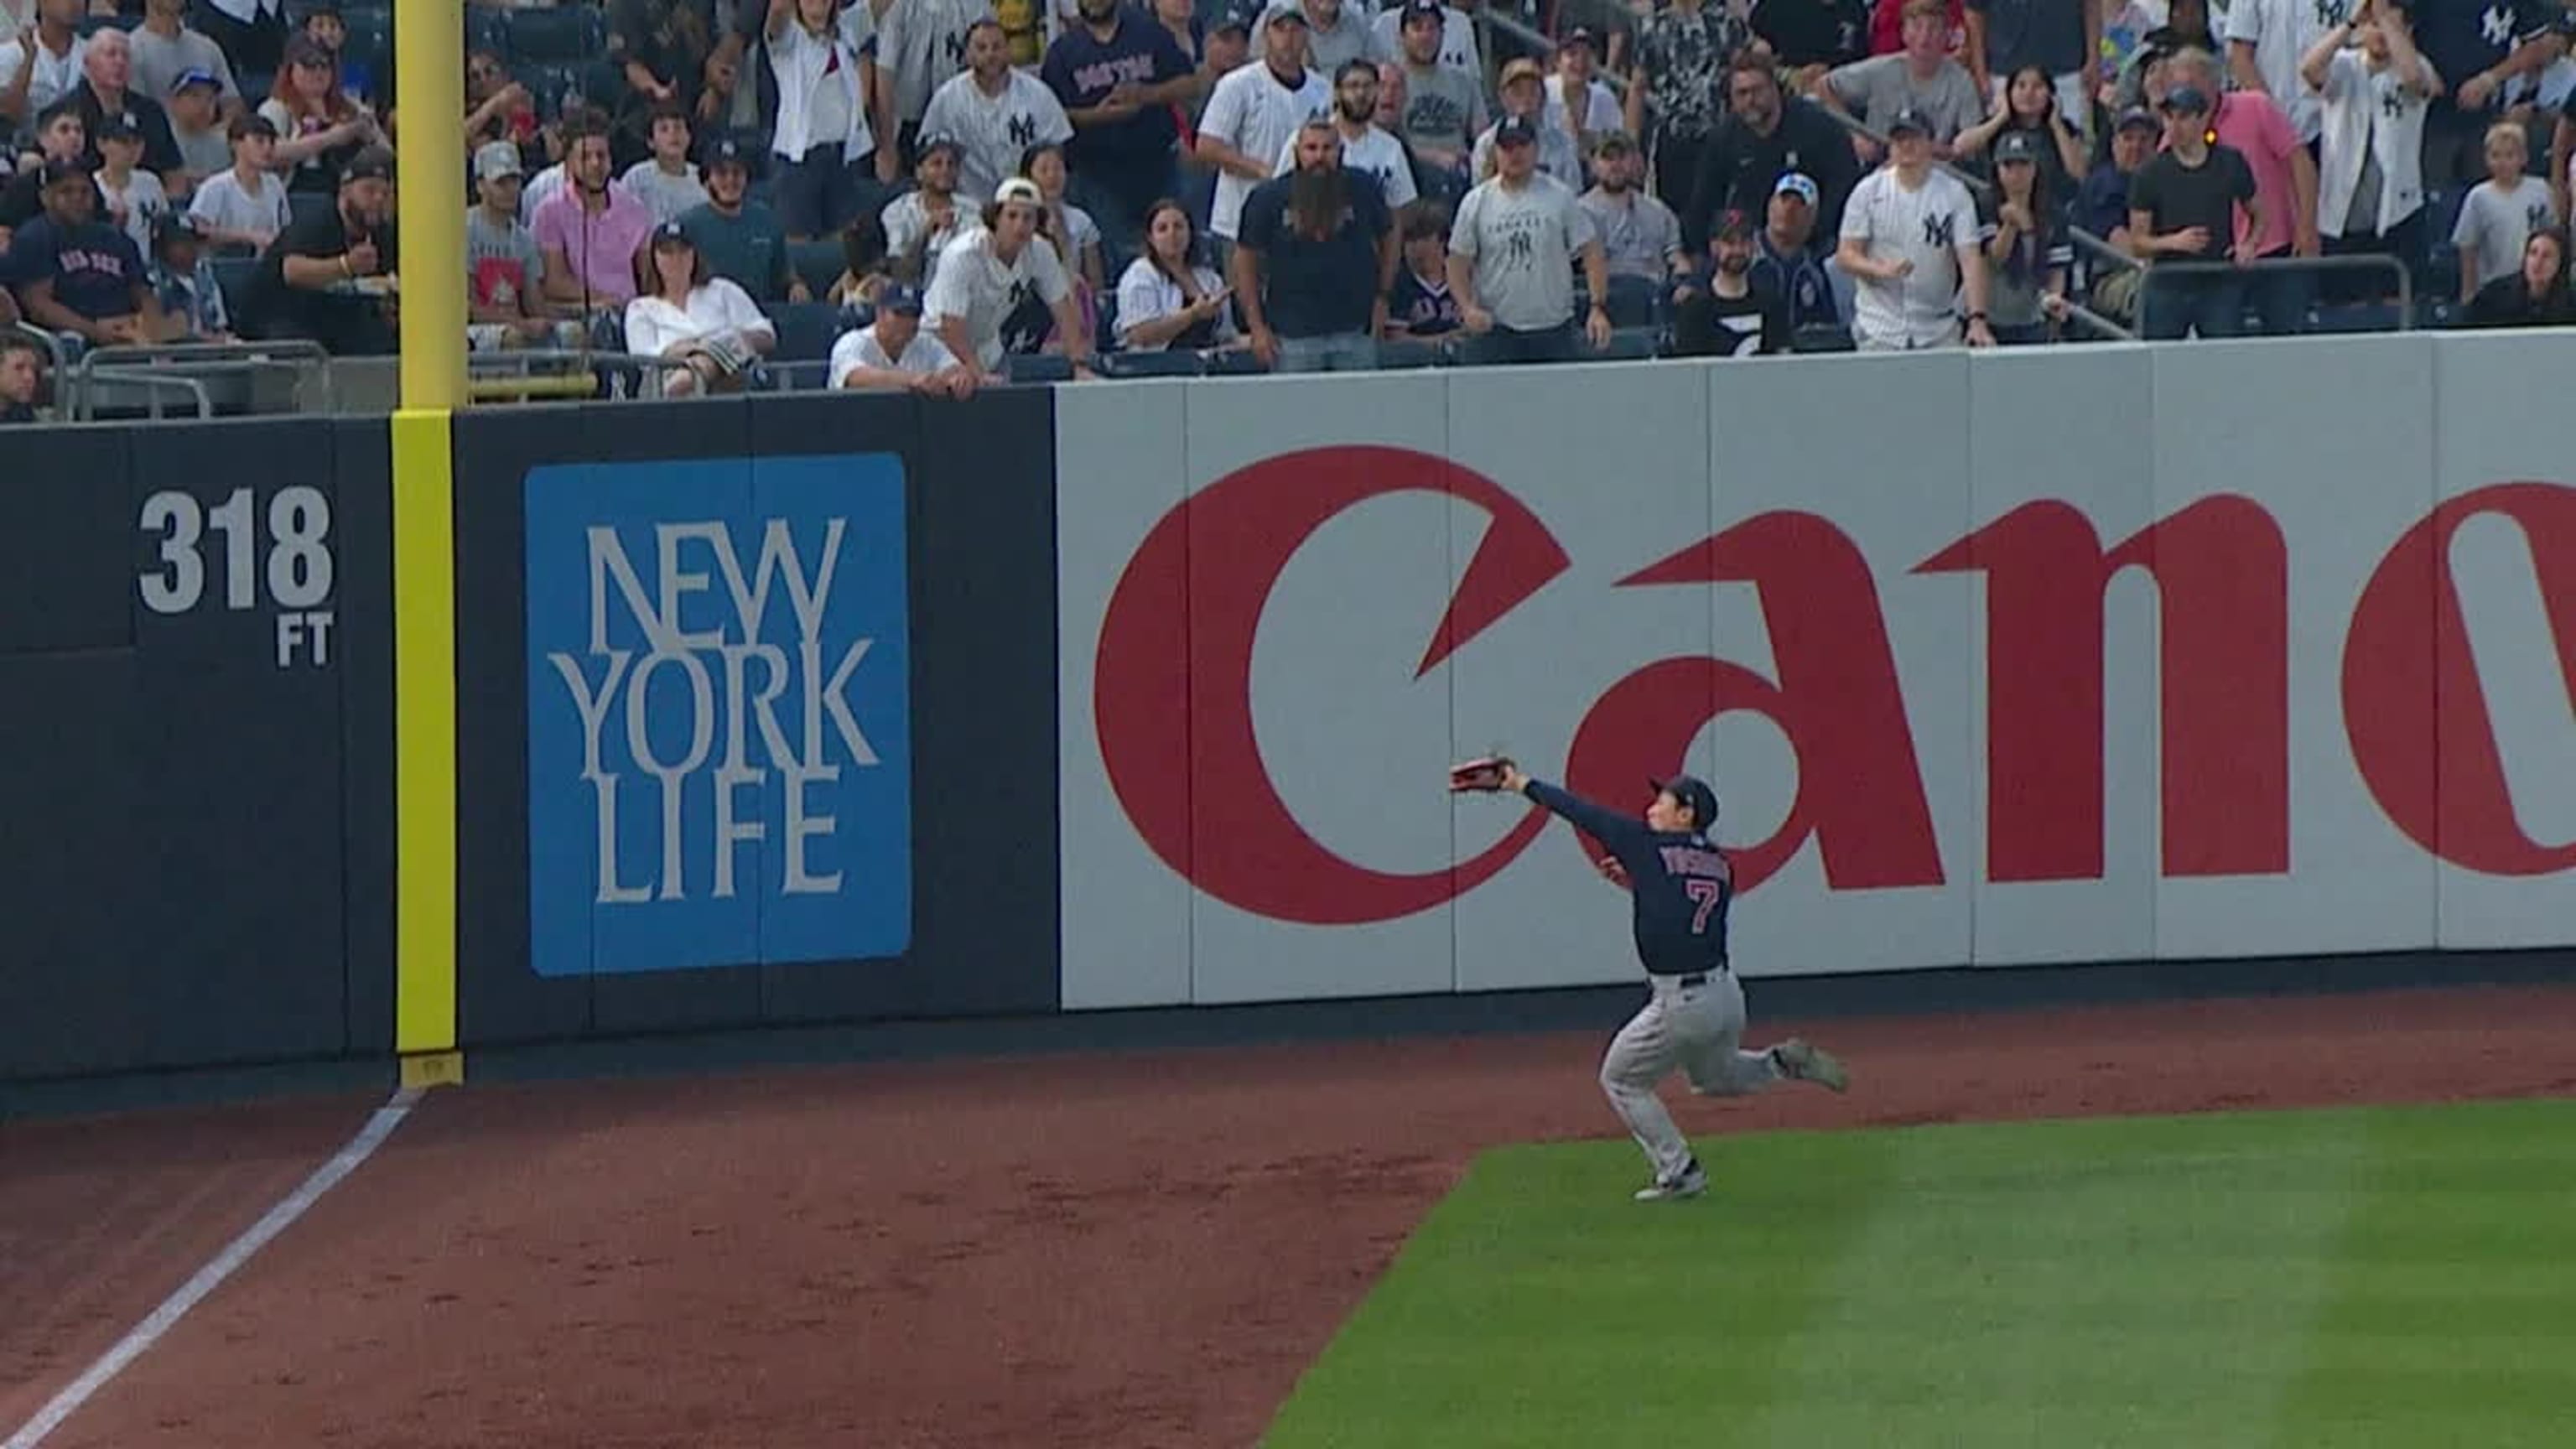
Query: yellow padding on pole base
column 434, row 1069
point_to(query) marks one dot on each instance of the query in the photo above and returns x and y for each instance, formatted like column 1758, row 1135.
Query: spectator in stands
column 2187, row 24
column 556, row 138
column 2500, row 213
column 1921, row 78
column 1578, row 104
column 1316, row 261
column 1168, row 299
column 1737, row 314
column 1524, row 94
column 2535, row 294
column 2375, row 85
column 1253, row 112
column 79, row 276
column 43, row 65
column 183, row 281
column 1887, row 26
column 1512, row 255
column 2102, row 208
column 165, row 49
column 324, row 278
column 318, row 126
column 667, row 182
column 2028, row 107
column 1810, row 37
column 2265, row 40
column 921, row 223
column 989, row 271
column 106, row 68
column 668, row 50
column 835, row 132
column 2029, row 254
column 197, row 124
column 324, row 27
column 741, row 239
column 1075, row 235
column 895, row 353
column 22, row 379
column 591, row 232
column 1422, row 305
column 1443, row 106
column 1365, row 149
column 2182, row 207
column 865, row 273
column 245, row 206
column 132, row 197
column 692, row 317
column 504, row 266
column 1678, row 93
column 498, row 108
column 1765, row 136
column 994, row 111
column 1912, row 245
column 2473, row 48
column 1456, row 49
column 1641, row 239
column 2064, row 41
column 923, row 42
column 61, row 136
column 2285, row 180
column 1336, row 35
column 1788, row 256
column 1118, row 73
column 251, row 32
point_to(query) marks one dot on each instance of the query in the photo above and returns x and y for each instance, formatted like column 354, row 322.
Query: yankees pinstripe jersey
column 992, row 130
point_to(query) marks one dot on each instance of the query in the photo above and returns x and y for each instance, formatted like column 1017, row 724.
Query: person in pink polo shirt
column 590, row 231
column 2285, row 183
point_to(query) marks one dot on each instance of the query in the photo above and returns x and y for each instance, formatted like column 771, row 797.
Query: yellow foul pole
column 429, row 86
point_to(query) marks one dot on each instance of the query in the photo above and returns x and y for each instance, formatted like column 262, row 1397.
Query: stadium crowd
column 936, row 194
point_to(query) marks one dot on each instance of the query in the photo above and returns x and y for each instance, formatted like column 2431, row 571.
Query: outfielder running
column 1694, row 1012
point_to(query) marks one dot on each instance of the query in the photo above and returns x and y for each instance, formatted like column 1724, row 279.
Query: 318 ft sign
column 195, row 540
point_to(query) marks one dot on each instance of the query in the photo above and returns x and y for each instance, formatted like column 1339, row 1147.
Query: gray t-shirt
column 502, row 262
column 159, row 63
column 2494, row 224
column 1877, row 88
column 202, row 153
column 1639, row 234
column 668, row 197
column 1523, row 243
column 1443, row 106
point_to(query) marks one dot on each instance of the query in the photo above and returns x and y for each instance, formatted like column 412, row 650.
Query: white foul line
column 258, row 1235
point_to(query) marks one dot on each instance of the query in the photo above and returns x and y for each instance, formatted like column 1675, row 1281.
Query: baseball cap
column 2137, row 116
column 1020, row 189
column 1694, row 792
column 1579, row 35
column 1909, row 121
column 1418, row 8
column 726, row 151
column 1515, row 131
column 189, row 78
column 1284, row 14
column 1733, row 222
column 2564, row 22
column 1615, row 143
column 1232, row 20
column 119, row 127
column 375, row 163
column 1798, row 184
column 2017, row 145
column 901, row 300
column 170, row 225
column 940, row 142
column 496, row 160
column 1523, row 68
column 672, row 231
column 2188, row 100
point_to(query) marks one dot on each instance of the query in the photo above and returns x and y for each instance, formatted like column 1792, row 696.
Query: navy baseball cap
column 726, row 152
column 119, row 127
column 941, row 142
column 2017, row 145
column 187, row 78
column 2138, row 117
column 2187, row 100
column 375, row 163
column 1580, row 35
column 1694, row 792
column 1432, row 8
column 901, row 300
column 1909, row 121
column 1516, row 131
column 672, row 231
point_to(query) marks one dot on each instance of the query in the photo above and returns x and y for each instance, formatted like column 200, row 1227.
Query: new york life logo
column 719, row 734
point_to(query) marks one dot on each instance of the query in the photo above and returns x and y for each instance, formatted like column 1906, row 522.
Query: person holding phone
column 1167, row 299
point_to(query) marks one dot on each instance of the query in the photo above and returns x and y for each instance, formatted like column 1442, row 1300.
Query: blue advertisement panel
column 719, row 713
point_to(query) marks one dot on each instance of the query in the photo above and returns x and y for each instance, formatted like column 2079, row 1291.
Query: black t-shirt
column 2507, row 302
column 672, row 38
column 1740, row 169
column 1715, row 326
column 1313, row 288
column 23, row 199
column 339, row 321
column 160, row 146
column 1814, row 32
column 2179, row 197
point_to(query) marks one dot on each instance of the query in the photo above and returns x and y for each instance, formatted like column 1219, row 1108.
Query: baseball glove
column 1483, row 774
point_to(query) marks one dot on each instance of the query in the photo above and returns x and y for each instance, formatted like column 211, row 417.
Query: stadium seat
column 1405, row 353
column 1153, row 364
column 1037, row 367
column 1631, row 344
column 568, row 36
column 2438, row 311
column 818, row 262
column 2354, row 317
column 806, row 330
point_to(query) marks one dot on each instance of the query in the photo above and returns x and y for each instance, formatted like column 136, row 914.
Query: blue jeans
column 1504, row 346
column 817, row 196
column 2174, row 305
column 1332, row 352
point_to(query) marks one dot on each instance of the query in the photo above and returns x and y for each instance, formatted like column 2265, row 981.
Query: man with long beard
column 1366, row 149
column 1315, row 261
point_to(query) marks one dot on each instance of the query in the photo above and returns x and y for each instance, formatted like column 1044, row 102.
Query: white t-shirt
column 653, row 325
column 818, row 87
column 927, row 356
column 141, row 200
column 2281, row 32
column 2495, row 223
column 1375, row 152
column 1145, row 294
column 1252, row 112
column 981, row 288
column 1457, row 37
column 1928, row 226
column 907, row 224
column 1600, row 108
column 2369, row 108
column 222, row 201
column 992, row 131
column 53, row 77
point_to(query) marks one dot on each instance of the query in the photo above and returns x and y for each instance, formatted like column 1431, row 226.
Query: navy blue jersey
column 1679, row 885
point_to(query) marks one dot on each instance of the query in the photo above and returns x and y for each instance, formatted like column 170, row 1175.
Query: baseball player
column 1694, row 1012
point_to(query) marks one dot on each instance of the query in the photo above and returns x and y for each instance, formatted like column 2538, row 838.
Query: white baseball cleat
column 1691, row 1183
column 1803, row 1061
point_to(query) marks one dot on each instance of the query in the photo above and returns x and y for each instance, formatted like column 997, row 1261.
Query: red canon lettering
column 2417, row 715
column 2223, row 599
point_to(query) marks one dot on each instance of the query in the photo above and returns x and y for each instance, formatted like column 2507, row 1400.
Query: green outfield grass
column 2308, row 1280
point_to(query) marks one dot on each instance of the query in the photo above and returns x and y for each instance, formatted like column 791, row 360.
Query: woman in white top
column 708, row 325
column 1166, row 299
column 1076, row 235
column 822, row 54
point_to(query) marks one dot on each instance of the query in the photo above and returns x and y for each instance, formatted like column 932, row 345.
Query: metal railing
column 150, row 365
column 154, row 383
column 570, row 373
column 2097, row 247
